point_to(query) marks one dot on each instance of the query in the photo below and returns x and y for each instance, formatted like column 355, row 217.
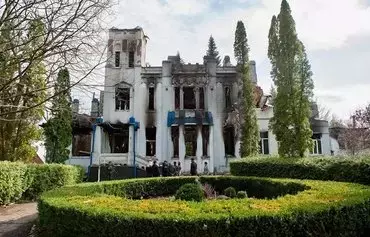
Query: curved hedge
column 354, row 170
column 28, row 181
column 119, row 208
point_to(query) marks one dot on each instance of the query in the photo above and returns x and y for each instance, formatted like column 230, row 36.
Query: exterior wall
column 263, row 124
column 83, row 161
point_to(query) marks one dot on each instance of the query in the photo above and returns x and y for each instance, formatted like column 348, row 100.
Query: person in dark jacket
column 155, row 169
column 193, row 167
column 165, row 169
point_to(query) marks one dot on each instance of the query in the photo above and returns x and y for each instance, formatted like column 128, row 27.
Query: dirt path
column 17, row 220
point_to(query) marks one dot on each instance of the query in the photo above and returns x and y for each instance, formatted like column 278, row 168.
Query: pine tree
column 273, row 94
column 58, row 129
column 250, row 131
column 212, row 50
column 291, row 74
column 19, row 131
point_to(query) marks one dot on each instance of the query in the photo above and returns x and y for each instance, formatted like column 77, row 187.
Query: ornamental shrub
column 327, row 209
column 241, row 194
column 230, row 192
column 190, row 192
column 28, row 181
column 356, row 170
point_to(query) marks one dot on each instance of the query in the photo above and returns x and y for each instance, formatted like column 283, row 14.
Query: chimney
column 75, row 106
column 94, row 107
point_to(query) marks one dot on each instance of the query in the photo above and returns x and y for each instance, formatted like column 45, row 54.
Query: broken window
column 122, row 98
column 150, row 134
column 190, row 140
column 201, row 98
column 227, row 97
column 317, row 149
column 131, row 58
column 189, row 98
column 175, row 140
column 205, row 136
column 264, row 143
column 120, row 141
column 229, row 141
column 177, row 98
column 151, row 98
column 117, row 59
column 81, row 145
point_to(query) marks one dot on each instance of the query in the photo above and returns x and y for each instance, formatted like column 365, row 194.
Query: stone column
column 199, row 151
column 181, row 98
column 159, row 121
column 130, row 155
column 182, row 147
column 210, row 150
column 197, row 104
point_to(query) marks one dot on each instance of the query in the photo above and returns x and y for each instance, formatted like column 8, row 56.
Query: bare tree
column 37, row 39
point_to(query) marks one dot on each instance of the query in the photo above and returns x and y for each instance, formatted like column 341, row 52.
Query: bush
column 230, row 192
column 28, row 181
column 190, row 192
column 327, row 209
column 336, row 169
column 241, row 194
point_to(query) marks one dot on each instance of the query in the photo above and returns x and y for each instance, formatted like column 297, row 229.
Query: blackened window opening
column 177, row 98
column 151, row 98
column 227, row 98
column 117, row 59
column 131, row 56
column 150, row 134
column 229, row 141
column 175, row 140
column 190, row 140
column 205, row 136
column 201, row 98
column 189, row 98
column 119, row 141
column 122, row 98
column 264, row 143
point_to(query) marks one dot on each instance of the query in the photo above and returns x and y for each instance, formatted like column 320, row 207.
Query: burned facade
column 172, row 112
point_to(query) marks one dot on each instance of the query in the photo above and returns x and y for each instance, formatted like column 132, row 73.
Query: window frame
column 119, row 108
column 117, row 59
column 262, row 141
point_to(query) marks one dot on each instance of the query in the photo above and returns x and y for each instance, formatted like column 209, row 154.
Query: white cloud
column 187, row 7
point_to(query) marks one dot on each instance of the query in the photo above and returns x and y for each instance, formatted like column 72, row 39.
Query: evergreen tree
column 212, row 50
column 19, row 131
column 250, row 131
column 291, row 74
column 58, row 129
column 273, row 94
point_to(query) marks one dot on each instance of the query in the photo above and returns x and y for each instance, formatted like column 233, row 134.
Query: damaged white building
column 175, row 111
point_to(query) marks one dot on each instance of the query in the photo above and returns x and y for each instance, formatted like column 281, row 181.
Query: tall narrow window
column 229, row 141
column 175, row 140
column 317, row 149
column 150, row 141
column 205, row 136
column 190, row 140
column 227, row 97
column 264, row 143
column 151, row 98
column 177, row 98
column 131, row 58
column 189, row 98
column 117, row 59
column 122, row 98
column 201, row 98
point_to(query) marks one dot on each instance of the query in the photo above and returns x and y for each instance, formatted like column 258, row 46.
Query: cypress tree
column 250, row 131
column 212, row 50
column 291, row 74
column 58, row 129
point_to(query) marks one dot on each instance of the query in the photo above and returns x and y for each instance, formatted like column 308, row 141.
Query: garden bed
column 281, row 208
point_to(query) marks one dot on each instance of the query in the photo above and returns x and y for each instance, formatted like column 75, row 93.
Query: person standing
column 165, row 169
column 206, row 170
column 193, row 167
column 155, row 169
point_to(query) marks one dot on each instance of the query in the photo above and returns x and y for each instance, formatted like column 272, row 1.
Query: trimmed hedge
column 28, row 181
column 355, row 170
column 190, row 192
column 323, row 208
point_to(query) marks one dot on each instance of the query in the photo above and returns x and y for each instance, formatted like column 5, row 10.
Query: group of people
column 167, row 169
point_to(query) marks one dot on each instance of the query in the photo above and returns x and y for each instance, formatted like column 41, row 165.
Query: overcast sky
column 336, row 34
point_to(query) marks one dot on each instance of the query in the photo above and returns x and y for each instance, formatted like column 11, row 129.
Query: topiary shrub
column 241, row 194
column 230, row 192
column 190, row 192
